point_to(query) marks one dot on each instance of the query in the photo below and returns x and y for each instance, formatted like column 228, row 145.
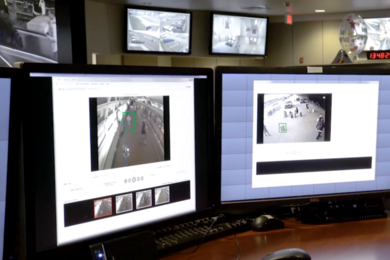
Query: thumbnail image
column 28, row 32
column 158, row 31
column 161, row 195
column 378, row 30
column 124, row 203
column 292, row 118
column 103, row 208
column 130, row 131
column 144, row 199
column 239, row 35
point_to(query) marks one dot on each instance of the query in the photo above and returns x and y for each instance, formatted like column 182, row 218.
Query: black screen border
column 13, row 196
column 163, row 53
column 203, row 112
column 242, row 206
column 242, row 15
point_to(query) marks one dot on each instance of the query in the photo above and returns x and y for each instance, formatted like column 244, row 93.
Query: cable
column 238, row 247
column 201, row 241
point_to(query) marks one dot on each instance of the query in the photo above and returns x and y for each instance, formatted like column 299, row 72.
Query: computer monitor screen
column 158, row 31
column 292, row 135
column 377, row 29
column 239, row 35
column 121, row 150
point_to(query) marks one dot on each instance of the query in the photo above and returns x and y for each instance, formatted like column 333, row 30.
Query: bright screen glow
column 157, row 31
column 277, row 151
column 5, row 94
column 239, row 35
column 140, row 165
column 378, row 34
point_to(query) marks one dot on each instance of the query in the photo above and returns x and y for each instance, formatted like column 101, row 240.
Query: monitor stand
column 137, row 246
column 341, row 211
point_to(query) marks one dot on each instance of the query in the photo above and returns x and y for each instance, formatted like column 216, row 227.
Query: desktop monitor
column 10, row 83
column 233, row 34
column 113, row 149
column 287, row 135
column 157, row 30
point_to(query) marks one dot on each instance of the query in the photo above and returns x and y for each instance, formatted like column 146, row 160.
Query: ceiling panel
column 273, row 7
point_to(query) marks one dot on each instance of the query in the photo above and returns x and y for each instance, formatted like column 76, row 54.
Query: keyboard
column 178, row 237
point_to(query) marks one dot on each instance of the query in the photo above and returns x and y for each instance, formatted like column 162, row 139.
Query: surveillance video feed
column 29, row 32
column 161, row 195
column 292, row 118
column 130, row 131
column 103, row 208
column 144, row 199
column 157, row 31
column 378, row 30
column 239, row 35
column 124, row 203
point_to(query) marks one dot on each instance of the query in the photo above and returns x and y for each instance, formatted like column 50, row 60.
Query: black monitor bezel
column 13, row 198
column 80, row 248
column 125, row 28
column 236, row 15
column 241, row 206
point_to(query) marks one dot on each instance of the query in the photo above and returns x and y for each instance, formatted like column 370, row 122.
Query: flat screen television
column 157, row 31
column 121, row 148
column 378, row 34
column 238, row 35
column 41, row 31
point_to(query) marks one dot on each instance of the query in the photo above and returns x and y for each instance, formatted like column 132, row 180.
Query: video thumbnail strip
column 99, row 208
column 293, row 118
column 320, row 165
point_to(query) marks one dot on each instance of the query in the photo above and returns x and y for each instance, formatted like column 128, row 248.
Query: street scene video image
column 162, row 195
column 124, row 203
column 144, row 199
column 292, row 118
column 28, row 32
column 157, row 31
column 238, row 35
column 130, row 131
column 103, row 208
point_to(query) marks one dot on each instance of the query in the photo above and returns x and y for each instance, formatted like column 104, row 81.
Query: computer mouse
column 266, row 222
column 288, row 254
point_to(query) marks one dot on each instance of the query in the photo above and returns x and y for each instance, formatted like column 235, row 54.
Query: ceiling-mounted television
column 378, row 30
column 233, row 34
column 157, row 31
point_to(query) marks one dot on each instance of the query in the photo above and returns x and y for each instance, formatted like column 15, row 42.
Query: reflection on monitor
column 123, row 150
column 239, row 35
column 158, row 31
column 378, row 34
column 31, row 32
column 273, row 145
column 5, row 95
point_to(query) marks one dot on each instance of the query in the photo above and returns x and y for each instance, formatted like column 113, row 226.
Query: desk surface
column 357, row 240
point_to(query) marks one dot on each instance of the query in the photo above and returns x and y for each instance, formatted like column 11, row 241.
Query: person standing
column 129, row 120
column 320, row 126
column 126, row 155
column 296, row 111
column 144, row 129
column 266, row 131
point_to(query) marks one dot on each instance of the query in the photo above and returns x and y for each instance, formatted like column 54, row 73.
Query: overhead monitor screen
column 239, row 35
column 124, row 150
column 158, row 31
column 5, row 94
column 29, row 32
column 297, row 136
column 378, row 34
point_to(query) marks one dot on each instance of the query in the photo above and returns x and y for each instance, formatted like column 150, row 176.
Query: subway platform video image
column 238, row 35
column 161, row 195
column 293, row 118
column 144, row 199
column 124, row 203
column 158, row 31
column 103, row 208
column 130, row 131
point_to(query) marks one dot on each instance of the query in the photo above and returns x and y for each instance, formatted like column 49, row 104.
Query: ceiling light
column 320, row 11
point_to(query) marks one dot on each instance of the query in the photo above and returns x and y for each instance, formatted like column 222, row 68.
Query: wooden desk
column 358, row 240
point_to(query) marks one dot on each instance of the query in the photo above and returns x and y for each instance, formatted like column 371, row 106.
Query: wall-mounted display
column 378, row 34
column 28, row 32
column 238, row 35
column 158, row 31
